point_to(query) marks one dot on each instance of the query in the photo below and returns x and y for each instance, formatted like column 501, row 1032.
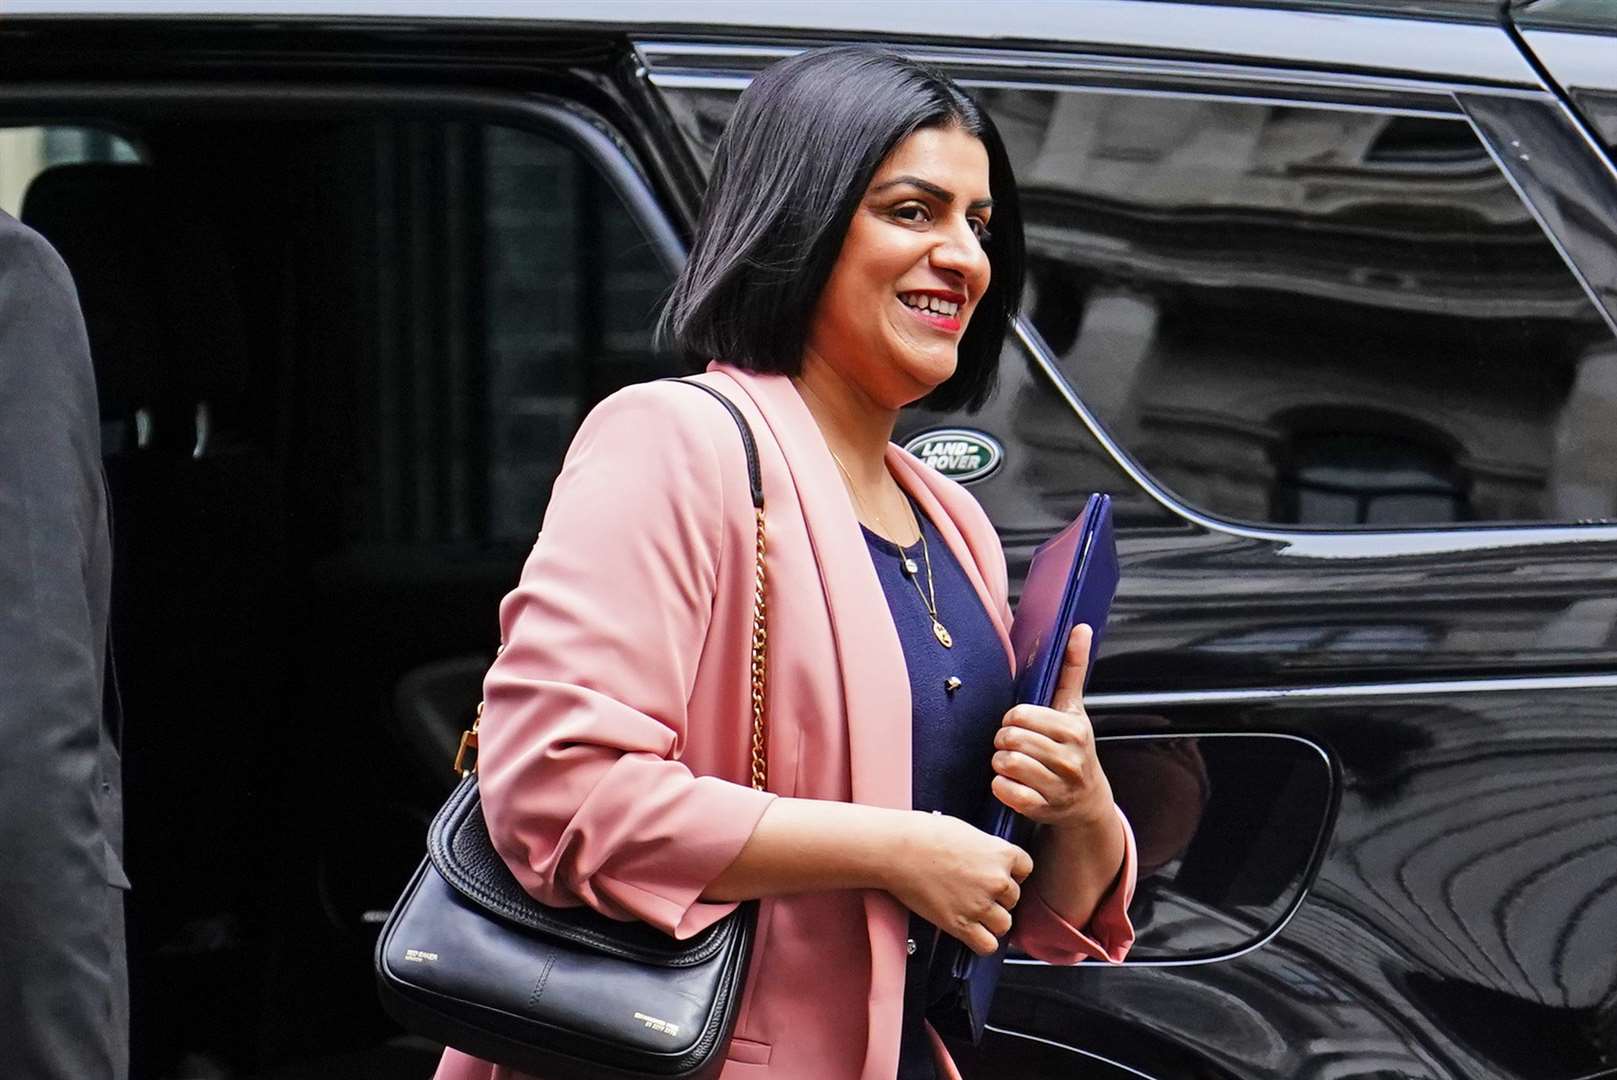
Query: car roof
column 968, row 19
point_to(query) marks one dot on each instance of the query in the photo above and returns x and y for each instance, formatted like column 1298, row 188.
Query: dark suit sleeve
column 60, row 921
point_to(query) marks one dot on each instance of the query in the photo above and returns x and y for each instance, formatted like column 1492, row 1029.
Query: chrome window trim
column 736, row 83
column 1517, row 684
column 1442, row 106
column 703, row 65
column 1314, row 863
column 1249, row 97
column 704, row 52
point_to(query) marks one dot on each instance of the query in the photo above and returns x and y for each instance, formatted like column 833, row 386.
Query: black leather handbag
column 468, row 958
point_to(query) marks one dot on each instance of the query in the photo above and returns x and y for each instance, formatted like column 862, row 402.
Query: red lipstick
column 947, row 323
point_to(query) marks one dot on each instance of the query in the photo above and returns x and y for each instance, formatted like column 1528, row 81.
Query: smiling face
column 911, row 270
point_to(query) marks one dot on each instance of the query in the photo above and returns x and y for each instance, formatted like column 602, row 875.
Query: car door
column 350, row 292
column 1335, row 331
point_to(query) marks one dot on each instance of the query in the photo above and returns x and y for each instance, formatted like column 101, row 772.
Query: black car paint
column 1461, row 918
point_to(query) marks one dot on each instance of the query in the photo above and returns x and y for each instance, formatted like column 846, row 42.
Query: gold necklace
column 939, row 631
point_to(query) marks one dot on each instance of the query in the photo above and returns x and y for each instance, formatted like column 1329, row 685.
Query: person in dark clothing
column 63, row 968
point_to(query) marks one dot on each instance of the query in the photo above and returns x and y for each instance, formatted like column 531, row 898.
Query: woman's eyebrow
column 943, row 195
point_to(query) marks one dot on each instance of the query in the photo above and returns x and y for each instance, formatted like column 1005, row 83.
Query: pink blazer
column 616, row 734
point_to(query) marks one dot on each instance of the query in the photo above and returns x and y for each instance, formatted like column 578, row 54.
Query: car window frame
column 548, row 114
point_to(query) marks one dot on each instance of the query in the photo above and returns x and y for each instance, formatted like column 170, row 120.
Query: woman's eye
column 913, row 212
column 980, row 227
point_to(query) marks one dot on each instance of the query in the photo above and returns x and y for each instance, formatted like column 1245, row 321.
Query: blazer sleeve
column 585, row 715
column 1037, row 928
column 1041, row 931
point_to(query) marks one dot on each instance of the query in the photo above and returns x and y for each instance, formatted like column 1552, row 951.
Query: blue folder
column 1072, row 580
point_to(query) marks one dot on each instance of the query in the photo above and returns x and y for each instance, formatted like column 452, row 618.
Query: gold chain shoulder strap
column 760, row 642
column 760, row 633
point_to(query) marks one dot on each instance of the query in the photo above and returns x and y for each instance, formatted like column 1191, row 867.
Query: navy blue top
column 952, row 732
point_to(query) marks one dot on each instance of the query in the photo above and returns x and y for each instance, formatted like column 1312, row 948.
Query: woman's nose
column 958, row 249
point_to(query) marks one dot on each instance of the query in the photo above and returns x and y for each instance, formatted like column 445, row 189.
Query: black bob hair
column 790, row 170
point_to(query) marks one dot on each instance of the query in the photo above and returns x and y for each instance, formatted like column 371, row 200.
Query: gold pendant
column 942, row 634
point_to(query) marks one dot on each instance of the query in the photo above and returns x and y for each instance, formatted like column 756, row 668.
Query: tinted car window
column 572, row 292
column 1312, row 316
column 1301, row 315
column 501, row 289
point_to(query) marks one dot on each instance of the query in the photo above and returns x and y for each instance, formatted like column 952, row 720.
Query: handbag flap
column 460, row 849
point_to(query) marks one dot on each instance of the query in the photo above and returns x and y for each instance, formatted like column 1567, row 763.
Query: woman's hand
column 958, row 878
column 1044, row 758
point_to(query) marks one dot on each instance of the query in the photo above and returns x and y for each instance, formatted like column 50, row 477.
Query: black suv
column 1323, row 293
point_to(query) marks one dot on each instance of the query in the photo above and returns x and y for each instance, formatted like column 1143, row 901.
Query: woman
column 852, row 189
